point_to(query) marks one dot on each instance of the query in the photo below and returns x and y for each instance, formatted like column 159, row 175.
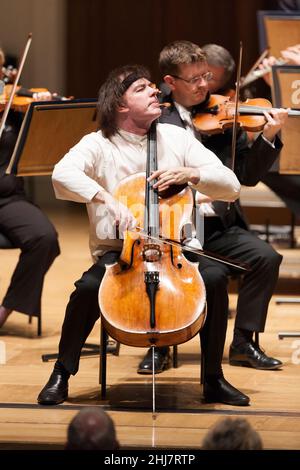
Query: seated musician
column 25, row 225
column 90, row 173
column 286, row 187
column 188, row 72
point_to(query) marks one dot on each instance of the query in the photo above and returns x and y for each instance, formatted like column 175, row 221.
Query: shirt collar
column 184, row 113
column 132, row 138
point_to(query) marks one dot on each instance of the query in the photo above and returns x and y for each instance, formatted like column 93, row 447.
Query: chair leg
column 39, row 325
column 175, row 356
column 202, row 369
column 102, row 377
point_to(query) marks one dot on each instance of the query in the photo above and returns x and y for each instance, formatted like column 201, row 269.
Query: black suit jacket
column 251, row 163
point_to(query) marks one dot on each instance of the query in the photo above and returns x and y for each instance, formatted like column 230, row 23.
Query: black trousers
column 258, row 284
column 31, row 231
column 254, row 296
column 83, row 311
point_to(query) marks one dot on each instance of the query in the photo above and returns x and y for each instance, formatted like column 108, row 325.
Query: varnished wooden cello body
column 153, row 296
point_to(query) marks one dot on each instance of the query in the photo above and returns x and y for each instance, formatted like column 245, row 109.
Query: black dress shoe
column 161, row 361
column 55, row 390
column 249, row 355
column 218, row 390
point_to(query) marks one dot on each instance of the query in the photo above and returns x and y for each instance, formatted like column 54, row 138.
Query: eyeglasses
column 193, row 81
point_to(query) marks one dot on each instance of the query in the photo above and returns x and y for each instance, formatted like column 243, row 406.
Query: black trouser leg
column 258, row 284
column 213, row 333
column 81, row 314
column 31, row 231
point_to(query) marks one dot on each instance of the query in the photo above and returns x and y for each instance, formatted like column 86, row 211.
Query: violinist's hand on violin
column 179, row 175
column 276, row 118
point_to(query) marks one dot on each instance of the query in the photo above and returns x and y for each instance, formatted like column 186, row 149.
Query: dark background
column 103, row 34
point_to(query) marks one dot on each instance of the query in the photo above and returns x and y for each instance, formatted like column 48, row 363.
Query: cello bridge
column 151, row 253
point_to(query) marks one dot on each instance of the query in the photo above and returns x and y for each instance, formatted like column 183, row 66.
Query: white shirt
column 186, row 117
column 205, row 208
column 97, row 163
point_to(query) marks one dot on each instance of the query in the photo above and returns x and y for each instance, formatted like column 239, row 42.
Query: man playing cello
column 90, row 172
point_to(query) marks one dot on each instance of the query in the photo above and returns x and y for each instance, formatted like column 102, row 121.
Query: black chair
column 5, row 244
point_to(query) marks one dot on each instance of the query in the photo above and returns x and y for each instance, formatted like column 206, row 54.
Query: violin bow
column 14, row 87
column 236, row 104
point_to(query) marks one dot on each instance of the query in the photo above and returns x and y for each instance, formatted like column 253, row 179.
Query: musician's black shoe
column 249, row 355
column 161, row 361
column 218, row 390
column 56, row 389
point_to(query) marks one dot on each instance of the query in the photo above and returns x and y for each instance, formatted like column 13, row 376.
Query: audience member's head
column 91, row 429
column 232, row 434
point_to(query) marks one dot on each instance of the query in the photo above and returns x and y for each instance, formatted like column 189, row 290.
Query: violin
column 220, row 112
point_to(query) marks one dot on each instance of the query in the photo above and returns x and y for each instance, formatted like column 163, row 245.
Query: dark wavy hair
column 111, row 94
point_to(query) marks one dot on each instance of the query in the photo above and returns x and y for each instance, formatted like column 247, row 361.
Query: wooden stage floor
column 182, row 418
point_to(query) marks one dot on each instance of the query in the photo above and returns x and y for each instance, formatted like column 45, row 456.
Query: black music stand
column 49, row 129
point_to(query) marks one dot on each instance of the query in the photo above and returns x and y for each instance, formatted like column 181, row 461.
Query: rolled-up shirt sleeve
column 216, row 180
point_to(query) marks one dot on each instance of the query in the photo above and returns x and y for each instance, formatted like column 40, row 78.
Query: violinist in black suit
column 185, row 71
column 26, row 226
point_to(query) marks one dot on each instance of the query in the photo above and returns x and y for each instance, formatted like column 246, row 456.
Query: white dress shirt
column 97, row 163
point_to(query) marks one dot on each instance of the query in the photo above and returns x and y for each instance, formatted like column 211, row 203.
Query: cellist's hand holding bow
column 122, row 216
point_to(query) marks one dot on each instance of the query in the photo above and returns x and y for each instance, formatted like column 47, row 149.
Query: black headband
column 130, row 79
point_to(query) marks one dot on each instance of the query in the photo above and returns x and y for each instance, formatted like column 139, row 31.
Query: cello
column 153, row 296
